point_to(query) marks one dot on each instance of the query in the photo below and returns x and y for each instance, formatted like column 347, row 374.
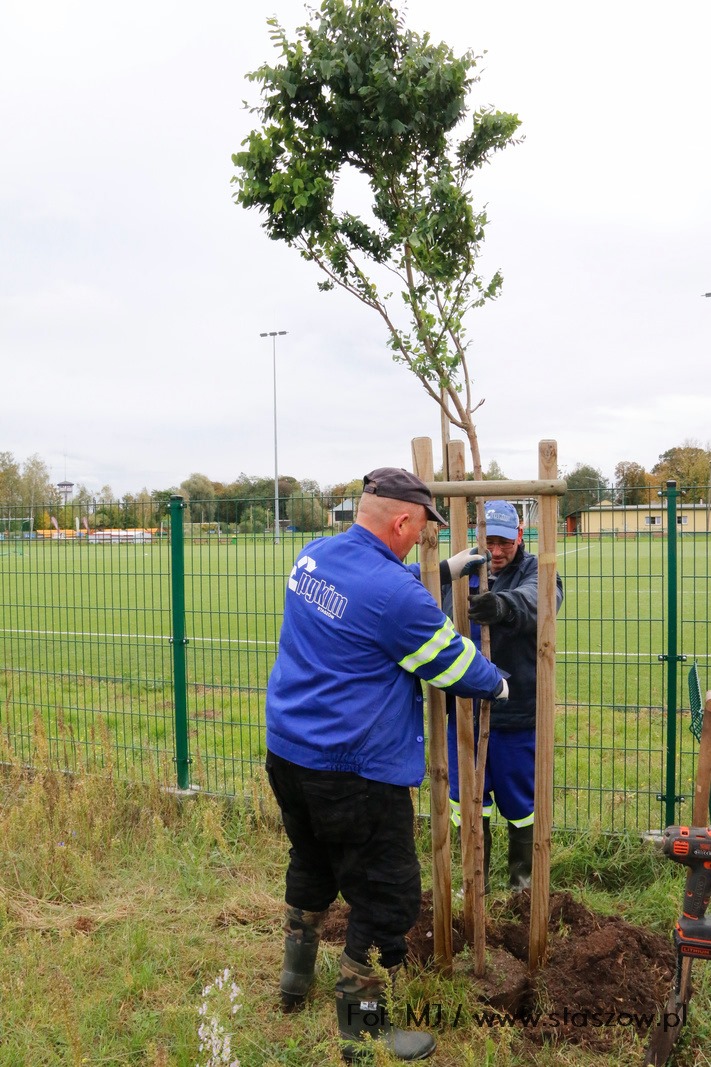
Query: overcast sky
column 134, row 291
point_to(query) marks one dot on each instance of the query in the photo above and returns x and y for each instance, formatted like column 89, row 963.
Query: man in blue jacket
column 510, row 608
column 345, row 740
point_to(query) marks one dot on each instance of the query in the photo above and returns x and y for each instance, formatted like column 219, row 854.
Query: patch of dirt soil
column 602, row 975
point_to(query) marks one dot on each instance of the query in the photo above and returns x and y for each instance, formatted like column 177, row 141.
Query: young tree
column 358, row 90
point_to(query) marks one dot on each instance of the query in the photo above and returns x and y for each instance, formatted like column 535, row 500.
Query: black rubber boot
column 487, row 853
column 520, row 856
column 362, row 1013
column 303, row 933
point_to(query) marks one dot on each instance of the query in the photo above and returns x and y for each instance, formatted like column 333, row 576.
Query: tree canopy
column 26, row 491
column 585, row 487
column 632, row 483
column 357, row 89
column 690, row 466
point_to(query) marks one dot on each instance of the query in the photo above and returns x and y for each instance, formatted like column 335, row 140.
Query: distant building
column 632, row 519
column 344, row 512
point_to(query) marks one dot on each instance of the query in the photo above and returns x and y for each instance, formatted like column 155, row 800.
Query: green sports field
column 85, row 640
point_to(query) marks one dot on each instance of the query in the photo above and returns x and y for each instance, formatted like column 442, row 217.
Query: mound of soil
column 602, row 975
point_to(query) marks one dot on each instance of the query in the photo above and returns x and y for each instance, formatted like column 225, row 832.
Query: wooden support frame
column 547, row 488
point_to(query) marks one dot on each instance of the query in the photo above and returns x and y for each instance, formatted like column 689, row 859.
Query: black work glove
column 488, row 608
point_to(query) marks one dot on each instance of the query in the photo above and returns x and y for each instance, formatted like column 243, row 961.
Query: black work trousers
column 354, row 836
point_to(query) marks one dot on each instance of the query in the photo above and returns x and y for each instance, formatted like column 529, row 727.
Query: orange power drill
column 691, row 846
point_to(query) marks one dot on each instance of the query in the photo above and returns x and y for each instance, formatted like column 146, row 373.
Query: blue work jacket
column 360, row 632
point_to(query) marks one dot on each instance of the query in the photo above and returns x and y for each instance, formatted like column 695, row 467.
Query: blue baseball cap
column 501, row 519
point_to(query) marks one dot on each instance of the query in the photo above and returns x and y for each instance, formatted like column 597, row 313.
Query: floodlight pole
column 274, row 334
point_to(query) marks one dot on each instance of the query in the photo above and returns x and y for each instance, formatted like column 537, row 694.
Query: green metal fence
column 151, row 646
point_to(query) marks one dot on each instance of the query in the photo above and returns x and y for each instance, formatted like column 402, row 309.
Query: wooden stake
column 545, row 709
column 547, row 487
column 470, row 804
column 423, row 467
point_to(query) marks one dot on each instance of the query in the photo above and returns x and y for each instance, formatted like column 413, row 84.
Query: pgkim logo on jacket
column 314, row 590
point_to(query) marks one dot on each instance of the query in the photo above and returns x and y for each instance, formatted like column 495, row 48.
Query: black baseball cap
column 399, row 484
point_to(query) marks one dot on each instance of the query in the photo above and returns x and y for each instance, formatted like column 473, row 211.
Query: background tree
column 254, row 519
column 336, row 494
column 494, row 473
column 84, row 497
column 200, row 492
column 357, row 90
column 10, row 480
column 225, row 508
column 36, row 487
column 108, row 512
column 130, row 511
column 161, row 503
column 632, row 483
column 306, row 512
column 586, row 487
column 690, row 466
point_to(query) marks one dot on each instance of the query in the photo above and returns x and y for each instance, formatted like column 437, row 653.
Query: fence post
column 670, row 797
column 179, row 641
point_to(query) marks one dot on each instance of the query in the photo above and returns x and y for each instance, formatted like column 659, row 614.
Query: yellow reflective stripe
column 455, row 812
column 455, row 670
column 487, row 810
column 518, row 823
column 430, row 650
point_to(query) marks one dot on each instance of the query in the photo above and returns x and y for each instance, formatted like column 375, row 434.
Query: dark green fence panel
column 85, row 649
column 97, row 644
column 235, row 577
column 619, row 750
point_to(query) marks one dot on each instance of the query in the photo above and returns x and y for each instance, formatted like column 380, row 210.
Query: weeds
column 119, row 904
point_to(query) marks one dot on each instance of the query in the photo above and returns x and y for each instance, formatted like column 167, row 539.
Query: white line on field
column 273, row 644
column 133, row 637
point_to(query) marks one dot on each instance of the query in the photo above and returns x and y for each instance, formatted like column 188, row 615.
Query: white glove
column 504, row 694
column 467, row 561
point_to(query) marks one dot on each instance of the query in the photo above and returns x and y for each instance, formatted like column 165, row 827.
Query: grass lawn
column 119, row 905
